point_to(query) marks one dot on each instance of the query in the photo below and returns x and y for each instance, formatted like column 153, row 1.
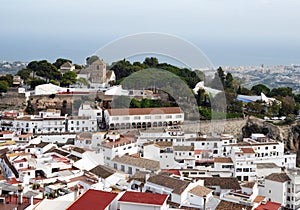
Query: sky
column 231, row 32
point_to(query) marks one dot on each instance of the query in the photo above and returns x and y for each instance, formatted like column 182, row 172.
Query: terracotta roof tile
column 225, row 205
column 269, row 206
column 93, row 199
column 103, row 171
column 145, row 111
column 223, row 160
column 183, row 148
column 223, row 182
column 144, row 198
column 259, row 199
column 248, row 150
column 248, row 185
column 200, row 191
column 138, row 162
column 278, row 177
column 177, row 185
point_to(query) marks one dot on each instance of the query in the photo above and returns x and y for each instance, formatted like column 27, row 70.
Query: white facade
column 143, row 117
column 275, row 191
column 163, row 154
column 117, row 145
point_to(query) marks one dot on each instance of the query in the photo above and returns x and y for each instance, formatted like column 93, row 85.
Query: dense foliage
column 124, row 69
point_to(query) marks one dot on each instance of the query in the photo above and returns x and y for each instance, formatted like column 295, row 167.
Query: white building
column 143, row 117
column 116, row 145
column 162, row 152
column 181, row 192
column 131, row 165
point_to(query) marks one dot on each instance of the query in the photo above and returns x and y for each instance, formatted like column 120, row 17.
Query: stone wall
column 231, row 126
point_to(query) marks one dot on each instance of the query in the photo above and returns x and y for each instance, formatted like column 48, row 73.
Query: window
column 122, row 168
column 274, row 147
column 270, row 191
column 130, row 170
column 115, row 118
column 157, row 117
column 21, row 165
column 169, row 116
column 147, row 117
column 266, row 148
column 178, row 116
column 115, row 166
column 137, row 118
column 126, row 118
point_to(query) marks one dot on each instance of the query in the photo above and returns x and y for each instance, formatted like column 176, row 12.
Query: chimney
column 147, row 176
column 75, row 192
column 20, row 194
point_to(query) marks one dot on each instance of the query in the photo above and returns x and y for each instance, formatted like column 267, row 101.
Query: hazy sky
column 229, row 32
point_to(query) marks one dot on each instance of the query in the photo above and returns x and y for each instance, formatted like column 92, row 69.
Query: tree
column 151, row 62
column 201, row 97
column 92, row 59
column 60, row 61
column 282, row 91
column 3, row 86
column 53, row 82
column 260, row 88
column 78, row 66
column 44, row 69
column 8, row 78
column 33, row 66
column 82, row 81
column 287, row 106
column 229, row 81
column 244, row 91
column 68, row 79
column 37, row 82
column 29, row 108
column 274, row 108
column 24, row 73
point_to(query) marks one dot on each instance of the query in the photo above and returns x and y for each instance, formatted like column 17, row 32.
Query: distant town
column 103, row 136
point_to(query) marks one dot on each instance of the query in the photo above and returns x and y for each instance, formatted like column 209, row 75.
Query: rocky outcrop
column 289, row 134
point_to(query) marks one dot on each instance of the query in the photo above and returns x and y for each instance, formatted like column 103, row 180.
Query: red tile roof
column 144, row 111
column 20, row 161
column 13, row 181
column 259, row 199
column 6, row 132
column 93, row 199
column 223, row 160
column 199, row 151
column 269, row 206
column 278, row 177
column 248, row 150
column 173, row 171
column 143, row 198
